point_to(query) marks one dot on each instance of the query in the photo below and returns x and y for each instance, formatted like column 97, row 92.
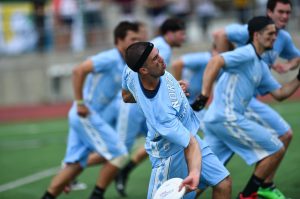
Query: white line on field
column 29, row 179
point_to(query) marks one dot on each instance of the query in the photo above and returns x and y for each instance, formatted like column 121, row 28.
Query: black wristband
column 199, row 103
column 298, row 76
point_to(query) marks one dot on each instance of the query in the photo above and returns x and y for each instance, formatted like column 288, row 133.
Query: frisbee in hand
column 170, row 189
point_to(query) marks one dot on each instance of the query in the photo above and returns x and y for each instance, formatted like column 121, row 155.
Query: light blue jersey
column 194, row 65
column 170, row 119
column 102, row 96
column 171, row 122
column 164, row 48
column 244, row 73
column 103, row 85
column 283, row 46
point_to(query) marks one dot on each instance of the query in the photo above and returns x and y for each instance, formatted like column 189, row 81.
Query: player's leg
column 269, row 118
column 104, row 140
column 75, row 161
column 130, row 123
column 254, row 144
column 214, row 173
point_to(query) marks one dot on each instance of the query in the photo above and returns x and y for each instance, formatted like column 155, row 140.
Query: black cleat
column 120, row 183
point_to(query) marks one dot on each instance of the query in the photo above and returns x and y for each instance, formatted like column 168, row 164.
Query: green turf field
column 31, row 152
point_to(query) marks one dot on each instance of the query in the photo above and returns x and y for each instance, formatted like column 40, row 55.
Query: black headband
column 143, row 57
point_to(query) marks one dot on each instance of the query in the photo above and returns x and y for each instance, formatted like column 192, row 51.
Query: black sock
column 97, row 193
column 268, row 185
column 48, row 195
column 253, row 184
column 129, row 166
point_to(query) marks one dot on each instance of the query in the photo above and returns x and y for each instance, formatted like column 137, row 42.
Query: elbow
column 76, row 71
column 125, row 100
column 279, row 98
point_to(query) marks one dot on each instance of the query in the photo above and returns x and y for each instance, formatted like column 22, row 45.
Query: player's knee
column 119, row 161
column 226, row 183
column 289, row 136
column 224, row 186
column 280, row 152
column 286, row 138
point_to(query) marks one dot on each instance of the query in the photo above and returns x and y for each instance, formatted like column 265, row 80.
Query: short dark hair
column 257, row 24
column 171, row 24
column 271, row 4
column 122, row 28
column 136, row 54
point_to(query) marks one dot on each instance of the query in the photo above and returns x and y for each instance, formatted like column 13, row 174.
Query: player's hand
column 281, row 67
column 199, row 103
column 184, row 86
column 191, row 183
column 82, row 110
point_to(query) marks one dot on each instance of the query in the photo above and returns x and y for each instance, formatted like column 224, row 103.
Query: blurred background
column 41, row 40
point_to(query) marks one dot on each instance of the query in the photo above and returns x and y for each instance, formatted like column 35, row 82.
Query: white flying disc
column 169, row 189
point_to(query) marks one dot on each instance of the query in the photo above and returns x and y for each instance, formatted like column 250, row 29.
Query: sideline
column 29, row 179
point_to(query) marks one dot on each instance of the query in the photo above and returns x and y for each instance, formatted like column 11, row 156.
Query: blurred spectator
column 143, row 31
column 127, row 9
column 39, row 22
column 206, row 11
column 260, row 6
column 242, row 8
column 93, row 20
column 157, row 10
column 24, row 36
column 180, row 8
column 64, row 16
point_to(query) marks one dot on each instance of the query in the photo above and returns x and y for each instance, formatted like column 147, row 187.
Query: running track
column 60, row 110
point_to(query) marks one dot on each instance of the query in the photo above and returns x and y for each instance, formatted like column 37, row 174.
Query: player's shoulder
column 236, row 27
column 109, row 55
column 283, row 35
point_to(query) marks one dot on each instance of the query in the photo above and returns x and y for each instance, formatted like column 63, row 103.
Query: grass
column 31, row 147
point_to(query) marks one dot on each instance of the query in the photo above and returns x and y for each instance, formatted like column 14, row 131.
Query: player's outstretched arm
column 210, row 74
column 193, row 158
column 78, row 77
column 287, row 89
column 285, row 67
column 221, row 41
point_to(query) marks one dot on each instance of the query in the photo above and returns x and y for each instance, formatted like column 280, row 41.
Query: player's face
column 130, row 38
column 267, row 37
column 178, row 37
column 280, row 15
column 155, row 64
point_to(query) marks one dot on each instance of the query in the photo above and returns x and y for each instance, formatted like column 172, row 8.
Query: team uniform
column 227, row 129
column 283, row 47
column 101, row 95
column 171, row 122
column 132, row 122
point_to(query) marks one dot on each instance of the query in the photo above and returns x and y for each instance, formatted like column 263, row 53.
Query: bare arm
column 79, row 74
column 286, row 90
column 177, row 68
column 194, row 158
column 127, row 97
column 210, row 74
column 221, row 41
column 285, row 67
